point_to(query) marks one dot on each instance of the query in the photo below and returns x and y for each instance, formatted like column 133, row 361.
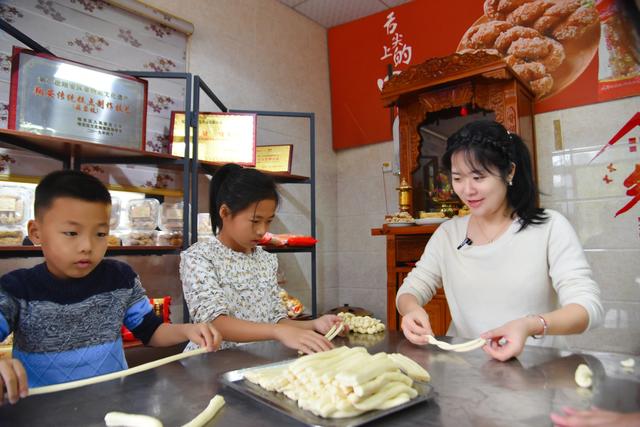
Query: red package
column 301, row 241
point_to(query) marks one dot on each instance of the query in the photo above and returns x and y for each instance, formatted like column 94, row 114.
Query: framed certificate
column 274, row 158
column 222, row 137
column 58, row 97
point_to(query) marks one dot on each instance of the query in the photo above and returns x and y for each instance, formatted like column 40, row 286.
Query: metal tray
column 278, row 401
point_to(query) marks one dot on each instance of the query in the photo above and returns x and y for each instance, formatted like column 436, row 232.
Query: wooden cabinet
column 405, row 246
column 477, row 80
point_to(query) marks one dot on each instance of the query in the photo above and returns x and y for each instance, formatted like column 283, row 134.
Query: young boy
column 66, row 313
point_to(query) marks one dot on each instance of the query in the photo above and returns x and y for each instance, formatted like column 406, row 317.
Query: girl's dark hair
column 238, row 188
column 488, row 146
column 69, row 183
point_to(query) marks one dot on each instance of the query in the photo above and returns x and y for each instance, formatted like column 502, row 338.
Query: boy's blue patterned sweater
column 65, row 330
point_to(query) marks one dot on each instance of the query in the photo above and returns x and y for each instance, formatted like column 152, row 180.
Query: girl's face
column 243, row 230
column 485, row 192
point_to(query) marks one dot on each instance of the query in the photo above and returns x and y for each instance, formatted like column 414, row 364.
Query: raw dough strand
column 210, row 411
column 113, row 419
column 114, row 375
column 122, row 419
column 463, row 347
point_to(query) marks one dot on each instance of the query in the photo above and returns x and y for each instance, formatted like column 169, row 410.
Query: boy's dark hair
column 69, row 183
column 487, row 146
column 238, row 188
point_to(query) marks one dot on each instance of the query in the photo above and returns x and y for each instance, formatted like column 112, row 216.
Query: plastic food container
column 170, row 238
column 204, row 224
column 171, row 216
column 15, row 205
column 115, row 213
column 140, row 238
column 11, row 236
column 143, row 214
column 113, row 240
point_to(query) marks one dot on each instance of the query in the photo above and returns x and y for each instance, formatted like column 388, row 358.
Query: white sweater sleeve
column 426, row 277
column 569, row 271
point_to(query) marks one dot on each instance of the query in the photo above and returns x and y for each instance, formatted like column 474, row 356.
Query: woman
column 510, row 270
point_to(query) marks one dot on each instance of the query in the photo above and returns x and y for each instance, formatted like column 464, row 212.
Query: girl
column 232, row 282
column 509, row 263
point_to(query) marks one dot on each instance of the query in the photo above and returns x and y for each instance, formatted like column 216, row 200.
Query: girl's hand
column 302, row 340
column 13, row 378
column 508, row 340
column 323, row 324
column 415, row 326
column 204, row 334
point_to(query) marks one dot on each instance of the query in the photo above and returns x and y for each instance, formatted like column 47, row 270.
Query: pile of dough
column 343, row 382
column 361, row 324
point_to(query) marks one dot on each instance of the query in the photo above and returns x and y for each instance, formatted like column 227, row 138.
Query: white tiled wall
column 573, row 184
column 361, row 265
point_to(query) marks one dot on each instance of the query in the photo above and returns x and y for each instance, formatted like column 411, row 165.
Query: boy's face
column 73, row 235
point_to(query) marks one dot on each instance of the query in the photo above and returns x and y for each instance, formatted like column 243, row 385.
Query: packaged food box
column 171, row 216
column 204, row 224
column 170, row 238
column 140, row 238
column 143, row 214
column 11, row 236
column 15, row 203
column 115, row 213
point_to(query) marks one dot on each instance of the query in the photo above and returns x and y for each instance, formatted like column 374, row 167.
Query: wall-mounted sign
column 274, row 158
column 57, row 97
column 222, row 137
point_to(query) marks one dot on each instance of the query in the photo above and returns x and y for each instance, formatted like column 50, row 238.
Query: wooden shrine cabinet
column 478, row 80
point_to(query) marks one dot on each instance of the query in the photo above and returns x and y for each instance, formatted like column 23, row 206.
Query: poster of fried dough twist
column 570, row 52
column 547, row 43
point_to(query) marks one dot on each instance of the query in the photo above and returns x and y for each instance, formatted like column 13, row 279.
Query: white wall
column 262, row 55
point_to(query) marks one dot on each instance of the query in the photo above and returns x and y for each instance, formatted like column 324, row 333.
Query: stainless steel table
column 471, row 389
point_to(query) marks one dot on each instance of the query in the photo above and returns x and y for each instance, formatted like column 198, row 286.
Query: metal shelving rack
column 73, row 153
column 200, row 85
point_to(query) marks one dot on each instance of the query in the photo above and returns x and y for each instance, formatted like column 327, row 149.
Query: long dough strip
column 466, row 346
column 209, row 412
column 122, row 419
column 114, row 375
column 113, row 419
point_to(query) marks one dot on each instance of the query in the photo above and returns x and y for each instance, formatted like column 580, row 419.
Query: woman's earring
column 510, row 183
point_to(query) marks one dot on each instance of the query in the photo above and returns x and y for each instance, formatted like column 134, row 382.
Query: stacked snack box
column 15, row 208
column 171, row 224
column 205, row 232
column 142, row 221
column 113, row 239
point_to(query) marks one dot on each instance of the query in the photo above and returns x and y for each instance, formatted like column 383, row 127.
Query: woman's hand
column 595, row 417
column 508, row 340
column 415, row 325
column 303, row 340
column 323, row 324
column 13, row 378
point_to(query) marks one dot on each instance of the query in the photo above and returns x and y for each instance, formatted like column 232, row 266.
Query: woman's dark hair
column 488, row 146
column 238, row 188
column 69, row 183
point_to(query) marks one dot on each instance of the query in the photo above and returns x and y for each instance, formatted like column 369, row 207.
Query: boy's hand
column 324, row 323
column 204, row 334
column 13, row 378
column 302, row 340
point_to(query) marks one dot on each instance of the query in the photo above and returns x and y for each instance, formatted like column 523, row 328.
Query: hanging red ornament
column 463, row 111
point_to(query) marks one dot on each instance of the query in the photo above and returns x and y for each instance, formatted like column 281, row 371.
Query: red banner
column 554, row 47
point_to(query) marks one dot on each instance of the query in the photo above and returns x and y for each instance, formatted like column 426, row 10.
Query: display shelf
column 288, row 249
column 36, row 251
column 64, row 149
column 280, row 177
